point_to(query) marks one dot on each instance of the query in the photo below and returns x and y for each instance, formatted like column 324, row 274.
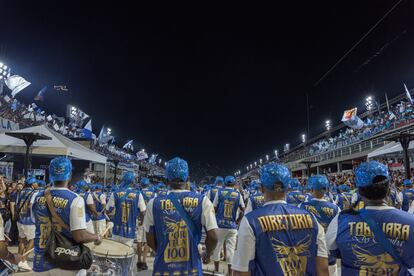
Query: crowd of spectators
column 375, row 123
column 32, row 115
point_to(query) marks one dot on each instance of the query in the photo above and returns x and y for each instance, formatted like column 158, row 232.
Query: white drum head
column 112, row 249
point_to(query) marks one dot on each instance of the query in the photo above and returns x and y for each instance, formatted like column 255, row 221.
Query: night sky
column 219, row 84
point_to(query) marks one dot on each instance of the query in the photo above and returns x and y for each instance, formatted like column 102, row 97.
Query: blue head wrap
column 273, row 173
column 366, row 172
column 407, row 182
column 128, row 178
column 229, row 180
column 294, row 184
column 176, row 169
column 145, row 182
column 218, row 179
column 31, row 180
column 318, row 182
column 60, row 169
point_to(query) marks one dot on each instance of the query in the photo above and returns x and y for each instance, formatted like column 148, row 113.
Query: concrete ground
column 150, row 263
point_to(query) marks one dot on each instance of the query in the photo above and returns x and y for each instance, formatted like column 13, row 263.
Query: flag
column 6, row 98
column 388, row 104
column 87, row 130
column 407, row 93
column 392, row 115
column 153, row 158
column 16, row 84
column 351, row 119
column 129, row 146
column 104, row 137
column 40, row 94
column 141, row 155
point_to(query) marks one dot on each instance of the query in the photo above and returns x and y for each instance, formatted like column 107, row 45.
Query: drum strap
column 188, row 221
column 49, row 203
column 381, row 238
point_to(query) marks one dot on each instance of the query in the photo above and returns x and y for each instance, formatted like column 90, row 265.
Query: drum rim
column 130, row 253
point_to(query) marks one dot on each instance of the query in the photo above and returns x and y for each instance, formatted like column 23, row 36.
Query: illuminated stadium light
column 267, row 157
column 109, row 131
column 303, row 138
column 261, row 160
column 159, row 161
column 4, row 72
column 369, row 103
column 276, row 153
column 251, row 166
column 247, row 168
column 255, row 163
column 328, row 125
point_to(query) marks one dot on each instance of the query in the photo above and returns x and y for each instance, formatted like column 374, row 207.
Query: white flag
column 16, row 84
column 141, row 155
column 408, row 94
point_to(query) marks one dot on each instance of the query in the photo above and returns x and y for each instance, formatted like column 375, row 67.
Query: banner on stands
column 351, row 119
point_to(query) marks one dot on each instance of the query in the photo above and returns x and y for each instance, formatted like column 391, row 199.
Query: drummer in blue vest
column 407, row 195
column 378, row 239
column 279, row 239
column 26, row 224
column 295, row 196
column 218, row 184
column 229, row 206
column 255, row 200
column 142, row 248
column 70, row 207
column 173, row 224
column 322, row 209
column 128, row 205
column 84, row 191
column 99, row 220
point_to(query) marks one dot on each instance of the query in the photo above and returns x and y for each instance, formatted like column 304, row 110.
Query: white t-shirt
column 246, row 244
column 208, row 217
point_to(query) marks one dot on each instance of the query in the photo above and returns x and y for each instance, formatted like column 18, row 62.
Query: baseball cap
column 318, row 182
column 176, row 169
column 60, row 169
column 366, row 172
column 272, row 173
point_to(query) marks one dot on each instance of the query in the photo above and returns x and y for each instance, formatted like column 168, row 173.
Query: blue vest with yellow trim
column 257, row 200
column 228, row 202
column 62, row 200
column 285, row 240
column 177, row 252
column 295, row 198
column 126, row 213
column 361, row 253
column 407, row 198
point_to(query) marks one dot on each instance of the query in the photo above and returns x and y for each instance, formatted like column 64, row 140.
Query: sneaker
column 24, row 266
column 139, row 266
column 144, row 266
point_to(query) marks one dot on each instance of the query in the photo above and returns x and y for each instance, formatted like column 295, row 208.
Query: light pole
column 4, row 74
column 328, row 125
column 369, row 103
column 303, row 138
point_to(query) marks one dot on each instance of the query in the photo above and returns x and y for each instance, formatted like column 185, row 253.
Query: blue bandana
column 366, row 172
column 60, row 169
column 273, row 173
column 318, row 182
column 176, row 169
column 229, row 180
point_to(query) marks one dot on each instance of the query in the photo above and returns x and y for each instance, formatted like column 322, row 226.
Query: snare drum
column 111, row 258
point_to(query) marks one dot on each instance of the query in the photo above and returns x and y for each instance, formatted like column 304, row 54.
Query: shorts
column 99, row 226
column 141, row 237
column 26, row 231
column 126, row 241
column 89, row 227
column 229, row 236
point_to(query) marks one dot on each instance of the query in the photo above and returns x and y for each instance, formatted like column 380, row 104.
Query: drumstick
column 28, row 252
column 110, row 225
column 7, row 237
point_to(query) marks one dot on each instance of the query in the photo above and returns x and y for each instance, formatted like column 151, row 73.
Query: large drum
column 111, row 258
